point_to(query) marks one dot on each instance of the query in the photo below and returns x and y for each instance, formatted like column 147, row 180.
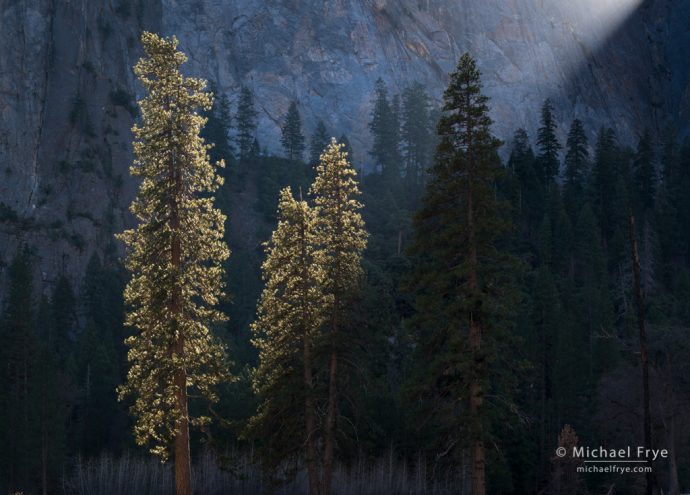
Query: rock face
column 596, row 58
column 66, row 106
column 67, row 90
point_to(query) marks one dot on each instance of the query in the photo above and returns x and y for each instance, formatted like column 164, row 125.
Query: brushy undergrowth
column 131, row 475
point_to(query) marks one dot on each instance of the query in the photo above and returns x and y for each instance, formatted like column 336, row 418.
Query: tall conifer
column 385, row 130
column 246, row 124
column 319, row 141
column 462, row 279
column 292, row 138
column 175, row 257
column 416, row 132
column 576, row 168
column 528, row 200
column 342, row 239
column 290, row 314
column 217, row 129
column 549, row 146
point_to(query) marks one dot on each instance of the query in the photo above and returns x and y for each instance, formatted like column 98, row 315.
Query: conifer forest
column 349, row 247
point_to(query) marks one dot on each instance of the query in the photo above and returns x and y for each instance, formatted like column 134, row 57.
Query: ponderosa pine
column 290, row 314
column 342, row 239
column 175, row 257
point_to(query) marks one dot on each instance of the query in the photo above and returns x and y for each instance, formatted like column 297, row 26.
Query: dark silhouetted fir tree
column 318, row 143
column 292, row 138
column 246, row 125
column 384, row 127
column 416, row 132
column 576, row 167
column 462, row 278
column 20, row 453
column 548, row 144
column 527, row 196
column 218, row 129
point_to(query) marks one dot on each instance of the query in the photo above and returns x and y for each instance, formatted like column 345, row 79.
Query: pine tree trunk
column 478, row 466
column 310, row 421
column 639, row 297
column 475, row 332
column 476, row 400
column 183, row 467
column 331, row 415
column 475, row 341
column 27, row 428
column 309, row 411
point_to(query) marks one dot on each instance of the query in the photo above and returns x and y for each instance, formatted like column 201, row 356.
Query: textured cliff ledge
column 67, row 104
column 67, row 89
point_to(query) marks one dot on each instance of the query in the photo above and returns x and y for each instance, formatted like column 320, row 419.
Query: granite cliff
column 67, row 92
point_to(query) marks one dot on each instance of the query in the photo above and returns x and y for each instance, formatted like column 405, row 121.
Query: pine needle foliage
column 289, row 315
column 312, row 271
column 176, row 253
column 339, row 224
column 342, row 240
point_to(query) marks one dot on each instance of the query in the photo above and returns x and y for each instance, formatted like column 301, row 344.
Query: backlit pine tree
column 290, row 313
column 342, row 239
column 175, row 257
